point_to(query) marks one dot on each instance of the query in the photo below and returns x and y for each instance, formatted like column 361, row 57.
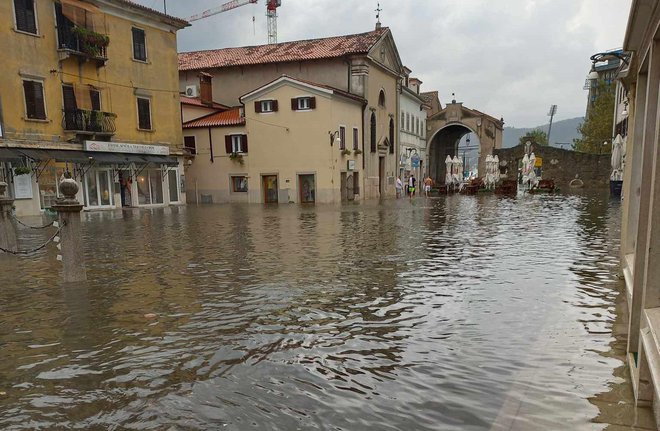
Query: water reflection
column 463, row 313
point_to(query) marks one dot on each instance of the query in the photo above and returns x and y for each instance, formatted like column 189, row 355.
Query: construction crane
column 271, row 13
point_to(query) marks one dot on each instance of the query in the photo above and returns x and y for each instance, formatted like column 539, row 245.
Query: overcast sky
column 508, row 58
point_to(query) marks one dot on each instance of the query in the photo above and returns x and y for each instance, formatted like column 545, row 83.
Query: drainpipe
column 211, row 144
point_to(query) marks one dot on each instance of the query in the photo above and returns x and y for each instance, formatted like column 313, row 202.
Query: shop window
column 239, row 184
column 356, row 138
column 303, row 103
column 144, row 113
column 342, row 137
column 139, row 44
column 265, row 106
column 150, row 187
column 26, row 16
column 49, row 181
column 98, row 188
column 173, row 183
column 35, row 107
column 190, row 144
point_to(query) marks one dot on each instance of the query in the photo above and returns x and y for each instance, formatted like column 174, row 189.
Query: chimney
column 206, row 88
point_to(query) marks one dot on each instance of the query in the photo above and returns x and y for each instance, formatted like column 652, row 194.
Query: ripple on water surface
column 460, row 313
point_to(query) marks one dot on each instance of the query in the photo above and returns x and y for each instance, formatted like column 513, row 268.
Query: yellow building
column 294, row 141
column 90, row 86
column 366, row 65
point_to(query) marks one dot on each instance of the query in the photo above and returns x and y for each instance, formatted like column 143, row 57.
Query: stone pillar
column 68, row 209
column 7, row 232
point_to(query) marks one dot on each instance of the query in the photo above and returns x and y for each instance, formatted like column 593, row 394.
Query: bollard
column 7, row 232
column 68, row 210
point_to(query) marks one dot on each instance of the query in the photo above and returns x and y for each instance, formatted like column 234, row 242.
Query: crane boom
column 222, row 8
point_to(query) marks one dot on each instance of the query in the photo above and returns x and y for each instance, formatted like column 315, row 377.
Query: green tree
column 597, row 127
column 536, row 136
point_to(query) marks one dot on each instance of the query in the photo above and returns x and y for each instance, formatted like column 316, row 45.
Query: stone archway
column 447, row 127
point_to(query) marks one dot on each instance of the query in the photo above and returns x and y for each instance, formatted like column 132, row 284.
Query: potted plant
column 237, row 157
column 357, row 152
column 22, row 170
column 345, row 152
column 91, row 42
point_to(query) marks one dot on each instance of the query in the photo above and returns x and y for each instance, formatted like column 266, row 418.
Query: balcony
column 82, row 43
column 83, row 121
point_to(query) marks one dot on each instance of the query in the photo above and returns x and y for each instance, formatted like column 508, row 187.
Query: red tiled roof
column 195, row 101
column 174, row 20
column 231, row 117
column 312, row 49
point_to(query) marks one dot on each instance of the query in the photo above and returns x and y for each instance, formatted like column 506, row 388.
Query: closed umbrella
column 532, row 172
column 489, row 161
column 457, row 169
column 449, row 166
column 617, row 159
column 525, row 169
column 496, row 169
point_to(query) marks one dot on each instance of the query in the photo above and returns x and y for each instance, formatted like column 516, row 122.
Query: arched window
column 381, row 98
column 391, row 135
column 373, row 132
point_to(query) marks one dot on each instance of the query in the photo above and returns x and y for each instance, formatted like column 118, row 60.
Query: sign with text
column 23, row 186
column 350, row 165
column 415, row 161
column 123, row 147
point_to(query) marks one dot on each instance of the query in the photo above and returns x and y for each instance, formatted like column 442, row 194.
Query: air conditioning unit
column 191, row 91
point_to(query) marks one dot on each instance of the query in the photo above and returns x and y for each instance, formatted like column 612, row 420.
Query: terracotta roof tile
column 313, row 49
column 195, row 101
column 231, row 117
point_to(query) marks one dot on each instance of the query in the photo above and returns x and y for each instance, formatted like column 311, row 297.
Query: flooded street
column 458, row 313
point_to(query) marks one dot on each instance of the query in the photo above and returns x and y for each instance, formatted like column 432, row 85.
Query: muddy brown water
column 440, row 314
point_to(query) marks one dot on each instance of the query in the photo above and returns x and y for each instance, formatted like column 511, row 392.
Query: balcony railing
column 83, row 42
column 90, row 122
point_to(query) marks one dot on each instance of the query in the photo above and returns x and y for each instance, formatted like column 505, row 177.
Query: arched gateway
column 447, row 127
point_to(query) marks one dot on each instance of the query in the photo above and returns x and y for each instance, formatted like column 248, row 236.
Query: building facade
column 90, row 87
column 292, row 141
column 365, row 65
column 640, row 229
column 412, row 130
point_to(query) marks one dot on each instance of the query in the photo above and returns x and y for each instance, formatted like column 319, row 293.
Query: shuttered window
column 373, row 132
column 69, row 98
column 26, row 19
column 356, row 138
column 303, row 103
column 342, row 137
column 95, row 95
column 189, row 143
column 144, row 113
column 34, row 100
column 236, row 144
column 139, row 44
column 391, row 136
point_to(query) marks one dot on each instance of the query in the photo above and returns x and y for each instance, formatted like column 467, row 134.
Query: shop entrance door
column 98, row 188
column 269, row 187
column 307, row 187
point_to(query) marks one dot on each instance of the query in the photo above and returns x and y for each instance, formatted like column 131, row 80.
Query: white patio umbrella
column 457, row 171
column 617, row 159
column 488, row 163
column 532, row 174
column 496, row 169
column 449, row 166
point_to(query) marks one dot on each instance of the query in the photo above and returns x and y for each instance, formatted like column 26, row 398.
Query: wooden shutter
column 95, row 95
column 257, row 107
column 294, row 104
column 355, row 138
column 244, row 146
column 34, row 100
column 69, row 97
column 144, row 114
column 139, row 45
column 275, row 107
column 342, row 138
column 312, row 102
column 373, row 132
column 228, row 144
column 25, row 16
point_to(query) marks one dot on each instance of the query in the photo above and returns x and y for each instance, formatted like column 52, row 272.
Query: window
column 26, row 17
column 95, row 96
column 139, row 44
column 381, row 98
column 35, row 108
column 190, row 144
column 356, row 138
column 417, row 125
column 342, row 137
column 236, row 144
column 373, row 132
column 408, row 122
column 303, row 103
column 265, row 106
column 391, row 135
column 144, row 113
column 239, row 184
column 403, row 121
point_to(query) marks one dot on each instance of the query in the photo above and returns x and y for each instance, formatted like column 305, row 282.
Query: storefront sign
column 415, row 161
column 123, row 147
column 23, row 186
column 350, row 165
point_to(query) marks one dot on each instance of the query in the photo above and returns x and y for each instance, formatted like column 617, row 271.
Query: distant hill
column 563, row 131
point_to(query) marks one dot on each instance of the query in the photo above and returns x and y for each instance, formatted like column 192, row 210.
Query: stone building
column 365, row 65
column 640, row 229
column 412, row 129
column 90, row 86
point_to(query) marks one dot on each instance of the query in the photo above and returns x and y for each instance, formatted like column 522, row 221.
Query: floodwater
column 457, row 313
